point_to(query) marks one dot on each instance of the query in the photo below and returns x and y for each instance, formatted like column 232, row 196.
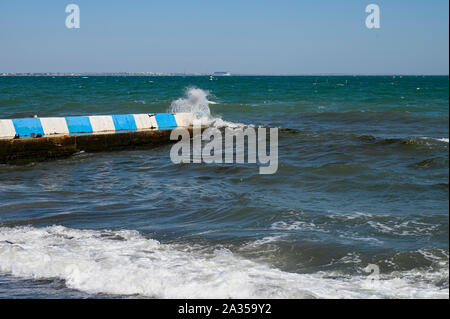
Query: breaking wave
column 196, row 102
column 126, row 263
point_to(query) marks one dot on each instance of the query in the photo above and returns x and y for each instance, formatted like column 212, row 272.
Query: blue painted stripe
column 165, row 121
column 124, row 122
column 27, row 127
column 31, row 127
column 79, row 124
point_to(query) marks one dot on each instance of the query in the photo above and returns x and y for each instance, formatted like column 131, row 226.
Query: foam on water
column 126, row 263
column 296, row 225
column 354, row 225
column 196, row 102
column 443, row 139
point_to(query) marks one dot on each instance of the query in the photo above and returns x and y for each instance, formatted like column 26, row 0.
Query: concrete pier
column 36, row 139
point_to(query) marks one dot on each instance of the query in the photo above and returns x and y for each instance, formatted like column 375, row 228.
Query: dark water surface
column 362, row 179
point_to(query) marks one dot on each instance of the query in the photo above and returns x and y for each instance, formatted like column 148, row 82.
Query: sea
column 358, row 208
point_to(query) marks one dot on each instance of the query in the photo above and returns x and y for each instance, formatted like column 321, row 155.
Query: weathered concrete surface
column 44, row 148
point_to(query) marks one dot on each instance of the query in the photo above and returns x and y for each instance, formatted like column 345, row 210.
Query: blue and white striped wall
column 73, row 125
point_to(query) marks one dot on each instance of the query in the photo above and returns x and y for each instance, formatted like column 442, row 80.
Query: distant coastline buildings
column 96, row 74
column 110, row 74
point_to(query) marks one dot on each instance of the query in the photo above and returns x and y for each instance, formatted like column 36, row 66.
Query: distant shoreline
column 127, row 74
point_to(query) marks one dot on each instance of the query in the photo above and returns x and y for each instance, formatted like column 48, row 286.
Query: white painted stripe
column 153, row 120
column 54, row 125
column 145, row 121
column 7, row 129
column 184, row 119
column 102, row 123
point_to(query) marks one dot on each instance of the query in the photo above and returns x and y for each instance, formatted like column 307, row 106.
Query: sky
column 239, row 36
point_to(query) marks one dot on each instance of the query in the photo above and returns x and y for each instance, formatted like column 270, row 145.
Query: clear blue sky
column 240, row 36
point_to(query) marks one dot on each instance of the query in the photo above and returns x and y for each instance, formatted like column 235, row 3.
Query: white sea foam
column 196, row 102
column 125, row 262
column 406, row 228
column 265, row 241
column 443, row 139
column 350, row 258
column 297, row 225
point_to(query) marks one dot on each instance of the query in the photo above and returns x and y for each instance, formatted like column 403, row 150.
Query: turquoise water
column 362, row 179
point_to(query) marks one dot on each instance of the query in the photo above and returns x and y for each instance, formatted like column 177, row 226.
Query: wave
column 443, row 139
column 420, row 141
column 126, row 263
column 389, row 114
column 196, row 102
column 357, row 224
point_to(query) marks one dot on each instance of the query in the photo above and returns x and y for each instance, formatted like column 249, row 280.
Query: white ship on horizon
column 221, row 74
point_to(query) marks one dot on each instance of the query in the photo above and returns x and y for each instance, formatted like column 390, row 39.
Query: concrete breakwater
column 31, row 139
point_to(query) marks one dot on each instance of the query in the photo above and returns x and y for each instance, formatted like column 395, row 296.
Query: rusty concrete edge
column 18, row 151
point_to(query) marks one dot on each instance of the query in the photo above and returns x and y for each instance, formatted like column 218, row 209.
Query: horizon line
column 112, row 73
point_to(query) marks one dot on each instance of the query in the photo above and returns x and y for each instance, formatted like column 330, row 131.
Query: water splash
column 195, row 102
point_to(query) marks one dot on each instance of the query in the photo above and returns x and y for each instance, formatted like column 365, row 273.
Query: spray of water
column 195, row 102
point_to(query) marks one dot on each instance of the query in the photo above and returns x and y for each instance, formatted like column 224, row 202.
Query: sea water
column 362, row 180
